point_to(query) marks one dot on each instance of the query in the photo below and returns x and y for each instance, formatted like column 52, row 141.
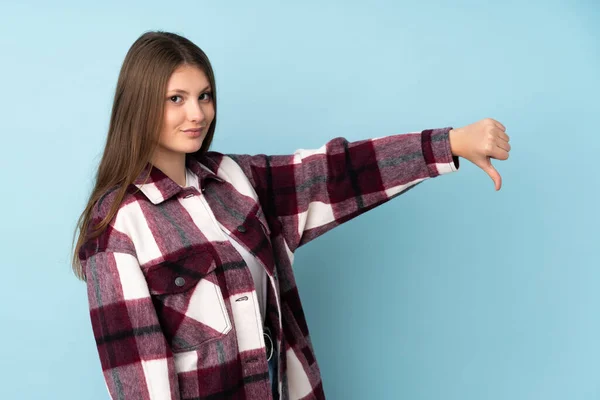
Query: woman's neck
column 172, row 165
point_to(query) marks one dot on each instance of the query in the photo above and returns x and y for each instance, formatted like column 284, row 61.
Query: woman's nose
column 195, row 113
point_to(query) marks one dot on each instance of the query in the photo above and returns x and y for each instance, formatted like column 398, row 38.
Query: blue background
column 451, row 291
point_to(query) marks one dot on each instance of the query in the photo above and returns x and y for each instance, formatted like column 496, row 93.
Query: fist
column 479, row 143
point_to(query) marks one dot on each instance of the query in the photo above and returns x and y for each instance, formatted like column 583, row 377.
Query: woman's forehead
column 188, row 78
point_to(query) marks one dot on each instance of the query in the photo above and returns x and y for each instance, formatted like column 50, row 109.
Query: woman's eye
column 178, row 99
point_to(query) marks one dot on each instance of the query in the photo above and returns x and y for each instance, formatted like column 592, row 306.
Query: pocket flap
column 180, row 275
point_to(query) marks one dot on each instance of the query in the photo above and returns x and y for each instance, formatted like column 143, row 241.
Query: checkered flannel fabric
column 172, row 304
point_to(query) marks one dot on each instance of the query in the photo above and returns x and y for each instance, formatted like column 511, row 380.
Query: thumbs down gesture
column 479, row 143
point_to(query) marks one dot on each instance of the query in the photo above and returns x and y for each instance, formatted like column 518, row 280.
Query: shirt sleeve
column 310, row 192
column 136, row 360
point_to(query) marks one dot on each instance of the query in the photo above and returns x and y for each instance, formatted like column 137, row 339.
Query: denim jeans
column 272, row 368
column 273, row 376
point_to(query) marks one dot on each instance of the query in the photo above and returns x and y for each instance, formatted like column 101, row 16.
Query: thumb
column 486, row 165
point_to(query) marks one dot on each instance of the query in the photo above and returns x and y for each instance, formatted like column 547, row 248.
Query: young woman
column 187, row 253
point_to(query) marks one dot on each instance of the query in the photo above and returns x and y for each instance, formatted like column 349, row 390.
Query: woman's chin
column 193, row 146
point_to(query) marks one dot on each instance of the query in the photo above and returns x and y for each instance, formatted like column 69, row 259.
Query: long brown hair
column 136, row 121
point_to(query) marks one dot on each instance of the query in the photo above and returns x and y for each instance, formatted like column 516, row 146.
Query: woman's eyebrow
column 185, row 92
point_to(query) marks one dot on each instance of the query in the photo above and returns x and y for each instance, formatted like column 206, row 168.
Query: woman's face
column 189, row 111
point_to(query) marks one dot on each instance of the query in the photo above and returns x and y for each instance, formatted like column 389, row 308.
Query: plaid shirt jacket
column 173, row 307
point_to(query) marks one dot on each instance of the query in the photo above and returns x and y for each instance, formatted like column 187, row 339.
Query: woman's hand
column 479, row 142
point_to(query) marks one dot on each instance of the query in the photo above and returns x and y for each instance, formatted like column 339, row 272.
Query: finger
column 496, row 178
column 486, row 165
column 499, row 153
column 498, row 124
column 502, row 135
column 503, row 145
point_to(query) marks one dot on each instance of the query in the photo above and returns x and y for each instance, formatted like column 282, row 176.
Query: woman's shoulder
column 111, row 238
column 103, row 208
column 106, row 201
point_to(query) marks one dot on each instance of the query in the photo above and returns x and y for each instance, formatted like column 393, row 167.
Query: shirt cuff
column 438, row 156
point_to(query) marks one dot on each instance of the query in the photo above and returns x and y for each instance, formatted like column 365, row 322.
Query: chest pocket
column 188, row 301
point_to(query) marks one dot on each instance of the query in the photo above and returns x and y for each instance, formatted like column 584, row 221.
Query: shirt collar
column 158, row 187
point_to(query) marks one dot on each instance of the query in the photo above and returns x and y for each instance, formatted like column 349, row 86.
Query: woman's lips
column 193, row 133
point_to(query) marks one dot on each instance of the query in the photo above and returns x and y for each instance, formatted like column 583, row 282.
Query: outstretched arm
column 310, row 192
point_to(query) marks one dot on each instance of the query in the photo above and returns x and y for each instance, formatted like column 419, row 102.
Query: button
column 179, row 281
column 203, row 189
column 241, row 228
column 188, row 195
